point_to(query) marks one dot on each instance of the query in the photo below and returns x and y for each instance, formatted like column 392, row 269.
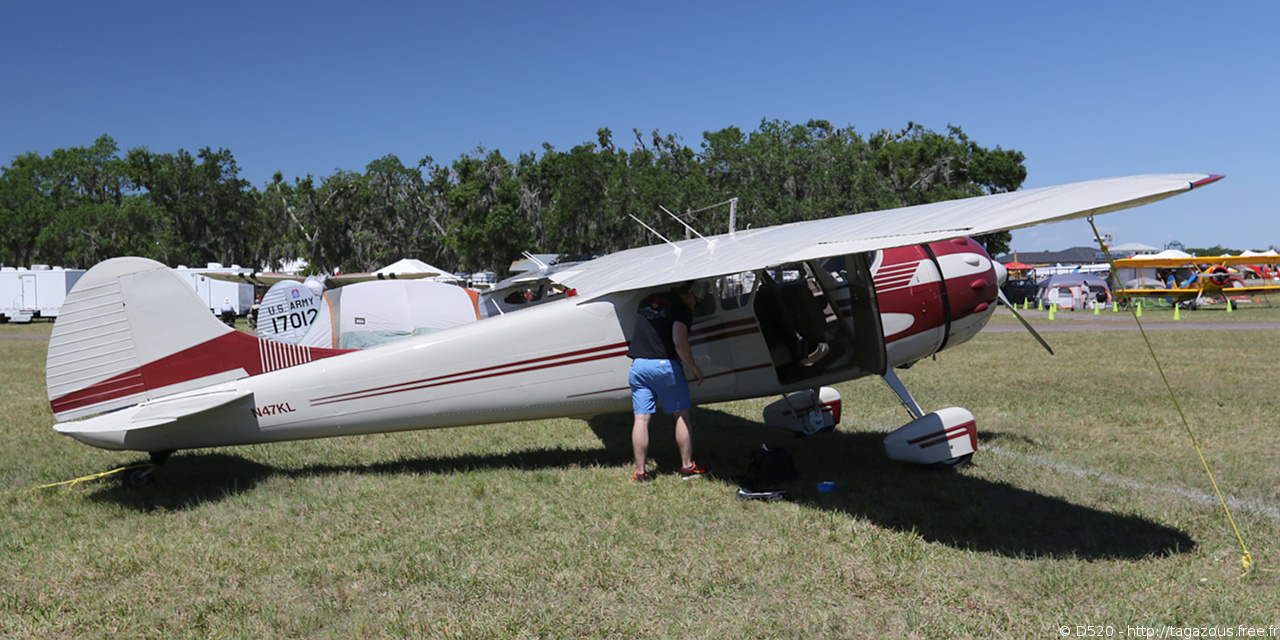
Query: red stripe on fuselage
column 702, row 335
column 546, row 362
column 714, row 375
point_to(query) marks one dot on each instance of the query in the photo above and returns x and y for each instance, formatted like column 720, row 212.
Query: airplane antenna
column 733, row 215
column 673, row 245
column 710, row 243
column 541, row 265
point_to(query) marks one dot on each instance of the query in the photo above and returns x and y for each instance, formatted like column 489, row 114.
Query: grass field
column 1087, row 505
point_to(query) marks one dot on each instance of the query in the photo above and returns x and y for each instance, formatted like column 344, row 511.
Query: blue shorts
column 661, row 380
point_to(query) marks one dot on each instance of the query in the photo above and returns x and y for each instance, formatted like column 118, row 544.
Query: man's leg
column 684, row 438
column 640, row 439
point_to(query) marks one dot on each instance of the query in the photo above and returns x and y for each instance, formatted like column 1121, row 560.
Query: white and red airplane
column 789, row 309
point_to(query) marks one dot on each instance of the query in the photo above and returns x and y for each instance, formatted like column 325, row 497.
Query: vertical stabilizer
column 131, row 330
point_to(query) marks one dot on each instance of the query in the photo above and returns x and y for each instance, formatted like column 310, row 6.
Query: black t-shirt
column 655, row 317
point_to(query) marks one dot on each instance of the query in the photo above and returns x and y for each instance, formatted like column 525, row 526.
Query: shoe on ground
column 641, row 476
column 766, row 496
column 692, row 471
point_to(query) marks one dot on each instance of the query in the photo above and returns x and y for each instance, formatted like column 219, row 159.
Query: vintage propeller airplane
column 790, row 309
column 1208, row 276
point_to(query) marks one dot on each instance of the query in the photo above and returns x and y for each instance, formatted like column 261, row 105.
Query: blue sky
column 1085, row 89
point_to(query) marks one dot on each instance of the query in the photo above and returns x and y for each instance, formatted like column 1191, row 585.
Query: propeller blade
column 1035, row 334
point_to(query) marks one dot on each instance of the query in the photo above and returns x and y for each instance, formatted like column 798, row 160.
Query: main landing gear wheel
column 958, row 462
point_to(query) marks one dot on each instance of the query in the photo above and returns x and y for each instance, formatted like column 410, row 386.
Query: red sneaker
column 692, row 471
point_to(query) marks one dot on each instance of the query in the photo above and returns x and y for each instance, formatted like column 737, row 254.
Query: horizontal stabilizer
column 111, row 430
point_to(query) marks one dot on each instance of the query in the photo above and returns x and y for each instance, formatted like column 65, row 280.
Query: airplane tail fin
column 131, row 330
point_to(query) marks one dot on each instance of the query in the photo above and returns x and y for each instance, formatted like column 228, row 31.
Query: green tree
column 584, row 187
column 1215, row 250
column 787, row 173
column 74, row 207
column 406, row 217
column 81, row 205
column 322, row 220
column 214, row 213
column 486, row 228
column 25, row 208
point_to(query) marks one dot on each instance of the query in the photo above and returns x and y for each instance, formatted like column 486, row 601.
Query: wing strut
column 1012, row 307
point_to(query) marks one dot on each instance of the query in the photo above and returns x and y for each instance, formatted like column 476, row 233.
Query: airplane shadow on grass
column 951, row 508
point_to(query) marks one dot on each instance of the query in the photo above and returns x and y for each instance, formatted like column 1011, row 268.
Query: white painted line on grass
column 1189, row 494
column 1196, row 496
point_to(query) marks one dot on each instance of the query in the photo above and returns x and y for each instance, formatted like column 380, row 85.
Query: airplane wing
column 656, row 265
column 255, row 278
column 1177, row 295
column 1247, row 290
column 1197, row 291
column 1139, row 262
column 331, row 282
column 344, row 279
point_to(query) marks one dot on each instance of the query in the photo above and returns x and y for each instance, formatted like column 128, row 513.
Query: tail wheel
column 139, row 477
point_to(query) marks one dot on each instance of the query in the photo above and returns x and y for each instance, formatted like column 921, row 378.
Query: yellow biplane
column 1192, row 279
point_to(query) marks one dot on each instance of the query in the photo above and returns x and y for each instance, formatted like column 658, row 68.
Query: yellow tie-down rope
column 1246, row 559
column 96, row 476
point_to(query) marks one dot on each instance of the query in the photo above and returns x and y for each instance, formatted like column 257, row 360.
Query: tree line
column 78, row 206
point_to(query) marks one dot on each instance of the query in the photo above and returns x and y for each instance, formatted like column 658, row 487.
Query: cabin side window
column 735, row 290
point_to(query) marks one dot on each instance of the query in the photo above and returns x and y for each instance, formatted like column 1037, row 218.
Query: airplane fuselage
column 568, row 357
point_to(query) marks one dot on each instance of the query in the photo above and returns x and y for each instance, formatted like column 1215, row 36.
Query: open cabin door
column 819, row 320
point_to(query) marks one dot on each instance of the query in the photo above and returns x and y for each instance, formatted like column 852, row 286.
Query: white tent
column 368, row 314
column 1168, row 253
column 413, row 265
column 1074, row 291
column 1059, row 269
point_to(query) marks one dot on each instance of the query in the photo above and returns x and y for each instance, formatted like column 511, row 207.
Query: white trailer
column 213, row 292
column 37, row 292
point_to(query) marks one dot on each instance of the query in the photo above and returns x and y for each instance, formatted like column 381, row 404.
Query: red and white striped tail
column 131, row 330
column 278, row 355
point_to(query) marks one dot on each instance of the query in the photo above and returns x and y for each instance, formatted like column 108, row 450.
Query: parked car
column 1019, row 290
